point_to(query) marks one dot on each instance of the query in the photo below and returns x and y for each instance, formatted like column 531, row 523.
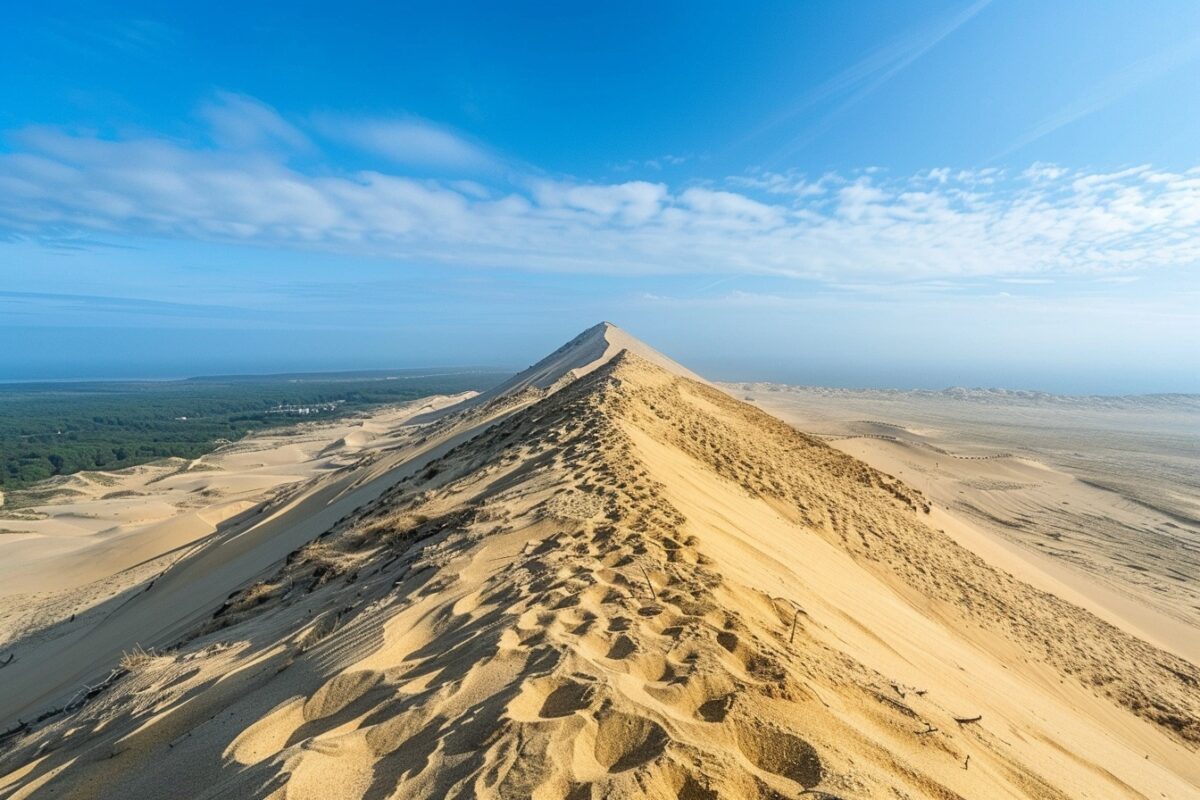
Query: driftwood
column 928, row 729
column 77, row 702
column 968, row 720
column 88, row 692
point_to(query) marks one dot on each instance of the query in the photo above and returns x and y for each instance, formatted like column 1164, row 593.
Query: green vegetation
column 51, row 429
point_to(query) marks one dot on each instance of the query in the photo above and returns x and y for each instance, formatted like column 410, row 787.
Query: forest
column 49, row 429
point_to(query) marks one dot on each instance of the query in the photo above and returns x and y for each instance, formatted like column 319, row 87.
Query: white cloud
column 238, row 121
column 630, row 203
column 861, row 198
column 787, row 183
column 1040, row 171
column 936, row 224
column 410, row 141
column 718, row 207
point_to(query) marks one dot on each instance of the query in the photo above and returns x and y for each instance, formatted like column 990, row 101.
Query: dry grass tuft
column 137, row 658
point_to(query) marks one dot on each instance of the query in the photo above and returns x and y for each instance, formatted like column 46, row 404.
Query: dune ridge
column 583, row 354
column 625, row 583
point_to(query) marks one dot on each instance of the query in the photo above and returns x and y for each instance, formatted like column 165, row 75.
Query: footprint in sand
column 550, row 698
column 781, row 753
column 624, row 741
column 622, row 647
column 340, row 692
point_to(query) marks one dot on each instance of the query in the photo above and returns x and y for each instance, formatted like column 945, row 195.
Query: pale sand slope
column 1096, row 493
column 595, row 596
column 67, row 588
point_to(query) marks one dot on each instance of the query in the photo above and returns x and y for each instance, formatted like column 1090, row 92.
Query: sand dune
column 1098, row 492
column 616, row 582
column 67, row 579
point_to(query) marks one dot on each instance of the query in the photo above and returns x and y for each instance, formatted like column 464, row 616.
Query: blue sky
column 999, row 193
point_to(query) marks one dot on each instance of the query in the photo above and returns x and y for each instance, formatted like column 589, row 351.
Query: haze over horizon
column 997, row 194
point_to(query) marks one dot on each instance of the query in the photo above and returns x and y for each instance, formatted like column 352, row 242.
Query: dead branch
column 88, row 692
column 653, row 593
column 795, row 615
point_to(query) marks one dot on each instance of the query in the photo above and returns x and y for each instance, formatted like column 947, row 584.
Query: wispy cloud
column 240, row 122
column 1116, row 86
column 119, row 37
column 410, row 141
column 14, row 305
column 657, row 164
column 838, row 228
column 854, row 84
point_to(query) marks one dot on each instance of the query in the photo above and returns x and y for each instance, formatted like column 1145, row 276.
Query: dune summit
column 609, row 579
column 587, row 352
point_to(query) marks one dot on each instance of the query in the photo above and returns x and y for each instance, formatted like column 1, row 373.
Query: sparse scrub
column 137, row 658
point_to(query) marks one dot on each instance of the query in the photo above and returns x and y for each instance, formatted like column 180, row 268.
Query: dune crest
column 584, row 354
column 632, row 586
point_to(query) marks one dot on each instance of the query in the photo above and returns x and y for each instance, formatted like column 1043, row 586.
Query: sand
column 1097, row 494
column 69, row 578
column 621, row 583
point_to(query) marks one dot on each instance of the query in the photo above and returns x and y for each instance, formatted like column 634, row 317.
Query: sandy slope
column 1094, row 493
column 633, row 586
column 216, row 523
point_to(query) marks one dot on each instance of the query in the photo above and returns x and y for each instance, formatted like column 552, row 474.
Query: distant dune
column 603, row 579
